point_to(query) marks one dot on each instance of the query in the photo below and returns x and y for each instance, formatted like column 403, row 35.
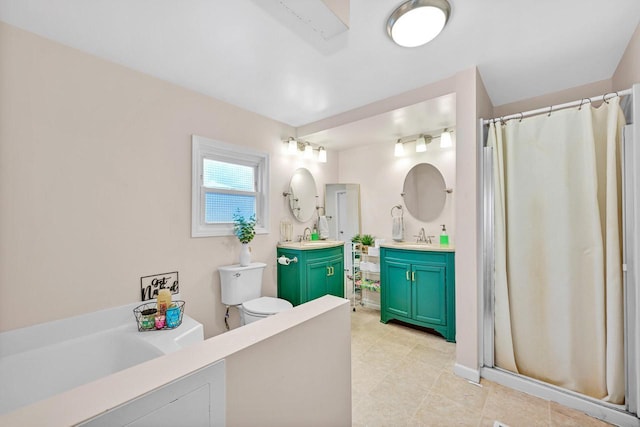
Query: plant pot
column 245, row 255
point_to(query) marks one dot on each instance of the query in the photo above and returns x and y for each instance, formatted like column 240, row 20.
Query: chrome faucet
column 421, row 237
column 306, row 236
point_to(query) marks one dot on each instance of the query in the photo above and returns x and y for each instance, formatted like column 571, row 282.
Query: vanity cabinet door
column 335, row 281
column 397, row 289
column 429, row 294
column 325, row 277
column 317, row 275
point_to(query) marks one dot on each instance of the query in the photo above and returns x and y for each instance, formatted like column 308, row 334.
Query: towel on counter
column 397, row 232
column 323, row 227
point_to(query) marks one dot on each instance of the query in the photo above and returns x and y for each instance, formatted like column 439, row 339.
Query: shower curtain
column 558, row 280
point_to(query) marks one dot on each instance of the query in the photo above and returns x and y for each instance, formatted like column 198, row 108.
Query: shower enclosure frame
column 625, row 415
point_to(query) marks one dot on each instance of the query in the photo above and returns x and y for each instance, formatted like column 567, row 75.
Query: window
column 227, row 179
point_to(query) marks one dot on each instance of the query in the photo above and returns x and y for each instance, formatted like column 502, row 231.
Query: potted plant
column 245, row 231
column 366, row 240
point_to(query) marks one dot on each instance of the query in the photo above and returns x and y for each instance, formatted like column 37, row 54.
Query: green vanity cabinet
column 418, row 287
column 318, row 272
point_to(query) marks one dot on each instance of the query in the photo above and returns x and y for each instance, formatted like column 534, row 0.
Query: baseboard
column 467, row 373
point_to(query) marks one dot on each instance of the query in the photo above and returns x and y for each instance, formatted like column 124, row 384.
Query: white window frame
column 205, row 148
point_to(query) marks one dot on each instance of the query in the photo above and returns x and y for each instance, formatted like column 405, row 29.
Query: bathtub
column 41, row 361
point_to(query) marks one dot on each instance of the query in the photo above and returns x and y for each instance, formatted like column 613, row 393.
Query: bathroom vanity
column 417, row 285
column 318, row 271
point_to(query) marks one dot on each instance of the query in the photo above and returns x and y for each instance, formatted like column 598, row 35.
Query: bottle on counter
column 444, row 237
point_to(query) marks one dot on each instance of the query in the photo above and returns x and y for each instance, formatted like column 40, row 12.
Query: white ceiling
column 246, row 53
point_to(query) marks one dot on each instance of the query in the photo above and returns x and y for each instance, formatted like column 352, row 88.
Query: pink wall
column 95, row 185
column 628, row 71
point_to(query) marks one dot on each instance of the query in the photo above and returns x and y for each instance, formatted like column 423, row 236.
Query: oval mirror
column 424, row 192
column 302, row 197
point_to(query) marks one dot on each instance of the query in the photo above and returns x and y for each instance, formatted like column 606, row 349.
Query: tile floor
column 403, row 376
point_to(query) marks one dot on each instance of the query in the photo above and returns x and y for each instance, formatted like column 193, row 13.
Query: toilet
column 242, row 286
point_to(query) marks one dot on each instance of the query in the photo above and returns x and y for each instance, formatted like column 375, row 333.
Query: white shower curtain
column 558, row 286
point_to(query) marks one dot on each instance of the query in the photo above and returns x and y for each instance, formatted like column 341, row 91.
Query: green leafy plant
column 356, row 238
column 244, row 229
column 367, row 240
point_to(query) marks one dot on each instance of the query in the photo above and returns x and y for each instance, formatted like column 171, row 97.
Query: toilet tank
column 239, row 284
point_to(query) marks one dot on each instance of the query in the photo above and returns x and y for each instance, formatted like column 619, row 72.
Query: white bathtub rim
column 42, row 343
column 50, row 333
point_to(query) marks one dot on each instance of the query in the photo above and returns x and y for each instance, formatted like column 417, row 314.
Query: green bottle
column 444, row 237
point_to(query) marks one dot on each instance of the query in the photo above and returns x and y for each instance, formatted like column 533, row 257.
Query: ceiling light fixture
column 417, row 22
column 445, row 139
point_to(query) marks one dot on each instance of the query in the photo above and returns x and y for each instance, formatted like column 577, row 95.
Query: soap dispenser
column 444, row 237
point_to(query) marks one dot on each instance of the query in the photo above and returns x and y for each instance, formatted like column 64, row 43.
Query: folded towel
column 397, row 232
column 323, row 227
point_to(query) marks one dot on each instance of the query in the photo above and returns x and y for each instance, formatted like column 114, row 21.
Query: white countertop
column 311, row 244
column 414, row 246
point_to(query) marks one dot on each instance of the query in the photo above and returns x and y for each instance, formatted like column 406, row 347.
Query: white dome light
column 417, row 22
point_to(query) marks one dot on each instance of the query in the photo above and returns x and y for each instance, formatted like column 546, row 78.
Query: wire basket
column 149, row 319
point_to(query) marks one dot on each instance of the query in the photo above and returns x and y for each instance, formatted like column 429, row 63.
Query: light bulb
column 421, row 144
column 322, row 155
column 445, row 139
column 293, row 146
column 308, row 151
column 399, row 149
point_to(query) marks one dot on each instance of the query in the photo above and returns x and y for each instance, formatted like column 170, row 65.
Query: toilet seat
column 265, row 306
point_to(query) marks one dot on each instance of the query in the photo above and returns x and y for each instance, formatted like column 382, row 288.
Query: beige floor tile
column 418, row 376
column 384, row 410
column 427, row 356
column 515, row 408
column 461, row 391
column 365, row 377
column 561, row 416
column 438, row 410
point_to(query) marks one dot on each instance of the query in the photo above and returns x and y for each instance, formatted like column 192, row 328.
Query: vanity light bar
column 304, row 149
column 422, row 140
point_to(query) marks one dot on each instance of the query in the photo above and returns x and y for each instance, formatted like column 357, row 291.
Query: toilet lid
column 267, row 305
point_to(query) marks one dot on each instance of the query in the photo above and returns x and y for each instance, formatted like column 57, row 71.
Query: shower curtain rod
column 553, row 108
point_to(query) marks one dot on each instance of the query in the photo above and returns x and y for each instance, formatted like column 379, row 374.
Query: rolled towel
column 323, row 227
column 397, row 232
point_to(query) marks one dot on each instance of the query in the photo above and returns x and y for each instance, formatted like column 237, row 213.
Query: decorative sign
column 150, row 285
